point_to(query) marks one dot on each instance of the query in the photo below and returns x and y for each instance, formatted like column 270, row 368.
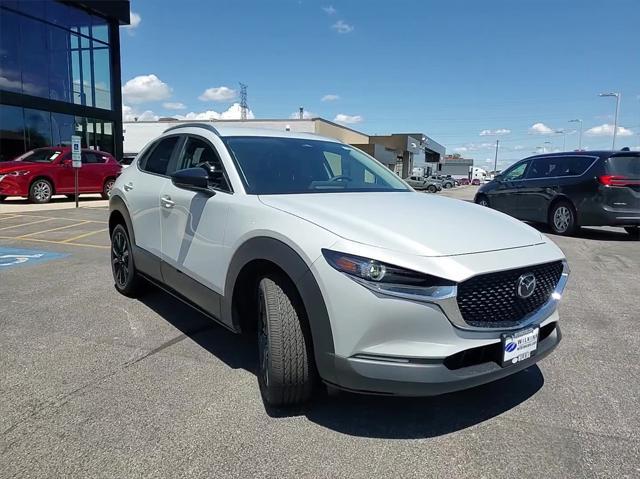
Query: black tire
column 40, row 191
column 446, row 186
column 634, row 231
column 126, row 278
column 2, row 198
column 285, row 367
column 432, row 189
column 563, row 219
column 106, row 188
column 483, row 200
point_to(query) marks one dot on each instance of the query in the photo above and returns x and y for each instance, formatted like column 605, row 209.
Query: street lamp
column 615, row 123
column 577, row 120
column 564, row 138
column 544, row 148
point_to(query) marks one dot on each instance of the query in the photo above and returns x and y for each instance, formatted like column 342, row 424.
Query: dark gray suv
column 569, row 190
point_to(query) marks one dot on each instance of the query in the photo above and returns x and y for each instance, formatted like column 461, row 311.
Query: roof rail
column 206, row 126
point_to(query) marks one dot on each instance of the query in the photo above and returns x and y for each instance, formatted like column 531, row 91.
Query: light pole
column 495, row 161
column 544, row 148
column 564, row 138
column 615, row 123
column 577, row 120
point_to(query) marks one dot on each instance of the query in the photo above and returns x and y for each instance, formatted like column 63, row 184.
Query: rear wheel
column 447, row 186
column 2, row 198
column 40, row 191
column 431, row 189
column 107, row 188
column 285, row 368
column 562, row 218
column 126, row 278
column 634, row 231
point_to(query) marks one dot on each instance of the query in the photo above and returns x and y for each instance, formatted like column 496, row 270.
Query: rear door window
column 559, row 166
column 627, row 165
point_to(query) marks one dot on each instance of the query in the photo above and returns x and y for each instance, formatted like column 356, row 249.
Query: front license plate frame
column 518, row 346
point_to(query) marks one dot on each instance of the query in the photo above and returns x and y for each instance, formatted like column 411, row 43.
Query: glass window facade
column 52, row 50
column 23, row 129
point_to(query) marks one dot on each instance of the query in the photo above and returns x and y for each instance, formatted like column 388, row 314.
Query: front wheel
column 40, row 191
column 285, row 368
column 446, row 186
column 431, row 189
column 634, row 231
column 126, row 278
column 482, row 201
column 562, row 219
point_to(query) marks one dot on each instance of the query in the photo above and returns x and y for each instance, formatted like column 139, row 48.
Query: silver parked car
column 424, row 183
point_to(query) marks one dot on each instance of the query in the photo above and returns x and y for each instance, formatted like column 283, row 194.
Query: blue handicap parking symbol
column 10, row 257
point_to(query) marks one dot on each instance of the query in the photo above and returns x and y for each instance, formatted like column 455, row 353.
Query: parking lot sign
column 76, row 153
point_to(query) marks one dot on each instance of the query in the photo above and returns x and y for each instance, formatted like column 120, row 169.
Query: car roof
column 598, row 153
column 230, row 131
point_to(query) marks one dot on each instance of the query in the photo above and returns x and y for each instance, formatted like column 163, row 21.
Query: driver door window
column 516, row 173
column 199, row 153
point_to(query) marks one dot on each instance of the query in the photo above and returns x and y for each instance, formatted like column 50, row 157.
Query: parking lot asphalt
column 94, row 384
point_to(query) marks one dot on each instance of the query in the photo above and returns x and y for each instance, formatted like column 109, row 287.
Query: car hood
column 409, row 222
column 8, row 166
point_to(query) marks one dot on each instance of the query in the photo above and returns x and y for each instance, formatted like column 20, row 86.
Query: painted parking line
column 37, row 240
column 84, row 235
column 26, row 224
column 12, row 257
column 52, row 218
column 52, row 229
column 7, row 217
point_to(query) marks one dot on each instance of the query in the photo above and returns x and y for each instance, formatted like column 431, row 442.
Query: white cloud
column 131, row 114
column 540, row 129
column 174, row 105
column 134, row 21
column 348, row 119
column 234, row 112
column 518, row 147
column 607, row 130
column 330, row 97
column 306, row 115
column 499, row 131
column 461, row 149
column 329, row 10
column 220, row 93
column 145, row 88
column 342, row 27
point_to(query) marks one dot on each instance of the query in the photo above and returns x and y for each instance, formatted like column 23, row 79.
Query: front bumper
column 392, row 345
column 428, row 378
column 13, row 186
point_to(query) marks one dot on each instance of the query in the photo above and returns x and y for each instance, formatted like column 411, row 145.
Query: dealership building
column 60, row 74
column 400, row 152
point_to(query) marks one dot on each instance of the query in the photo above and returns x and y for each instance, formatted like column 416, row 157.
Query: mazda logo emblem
column 526, row 285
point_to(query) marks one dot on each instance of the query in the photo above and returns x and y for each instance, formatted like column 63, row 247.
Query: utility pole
column 495, row 161
column 243, row 101
column 615, row 123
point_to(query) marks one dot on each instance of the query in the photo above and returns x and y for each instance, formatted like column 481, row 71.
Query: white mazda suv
column 319, row 250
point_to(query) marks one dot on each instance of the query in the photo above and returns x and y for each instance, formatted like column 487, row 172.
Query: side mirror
column 196, row 179
column 66, row 162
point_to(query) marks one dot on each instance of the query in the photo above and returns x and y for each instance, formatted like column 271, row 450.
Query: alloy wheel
column 120, row 258
column 41, row 191
column 108, row 186
column 562, row 219
column 483, row 202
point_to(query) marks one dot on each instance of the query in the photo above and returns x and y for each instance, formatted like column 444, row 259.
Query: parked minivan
column 569, row 190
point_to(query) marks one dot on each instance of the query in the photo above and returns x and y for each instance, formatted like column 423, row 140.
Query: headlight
column 17, row 173
column 390, row 280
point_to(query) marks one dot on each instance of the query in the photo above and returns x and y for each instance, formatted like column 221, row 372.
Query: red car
column 464, row 181
column 39, row 174
column 475, row 182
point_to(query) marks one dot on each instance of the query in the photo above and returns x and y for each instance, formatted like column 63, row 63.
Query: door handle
column 166, row 202
column 128, row 186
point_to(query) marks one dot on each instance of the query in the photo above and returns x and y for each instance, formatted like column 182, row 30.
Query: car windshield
column 270, row 165
column 624, row 165
column 44, row 155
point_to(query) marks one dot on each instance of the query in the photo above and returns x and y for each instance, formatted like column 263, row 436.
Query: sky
column 466, row 73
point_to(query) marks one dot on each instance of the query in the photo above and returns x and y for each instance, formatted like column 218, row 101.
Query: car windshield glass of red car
column 39, row 156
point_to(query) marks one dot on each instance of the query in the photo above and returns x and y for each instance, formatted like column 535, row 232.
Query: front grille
column 490, row 300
